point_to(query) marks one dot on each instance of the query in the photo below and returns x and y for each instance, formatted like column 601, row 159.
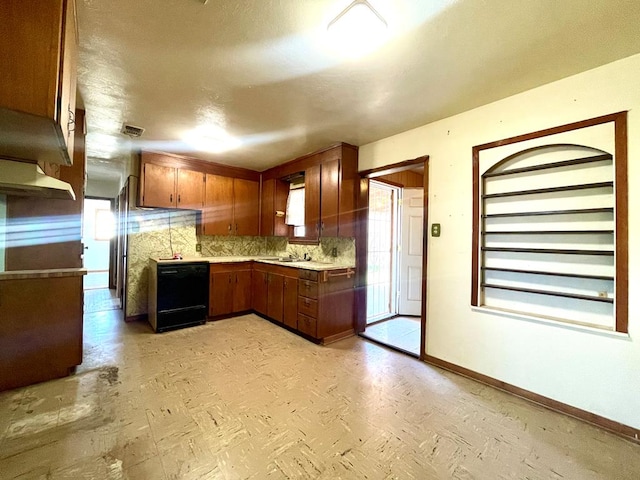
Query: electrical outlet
column 198, row 247
column 435, row 229
column 334, row 252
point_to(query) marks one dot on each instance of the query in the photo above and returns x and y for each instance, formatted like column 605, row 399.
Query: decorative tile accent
column 155, row 233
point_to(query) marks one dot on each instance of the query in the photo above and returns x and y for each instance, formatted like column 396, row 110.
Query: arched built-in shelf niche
column 546, row 225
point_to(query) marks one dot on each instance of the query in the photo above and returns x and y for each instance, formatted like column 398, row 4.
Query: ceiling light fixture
column 358, row 29
column 212, row 139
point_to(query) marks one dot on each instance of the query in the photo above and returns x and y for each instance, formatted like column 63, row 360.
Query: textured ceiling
column 262, row 69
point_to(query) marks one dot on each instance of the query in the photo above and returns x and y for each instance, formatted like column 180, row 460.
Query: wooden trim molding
column 620, row 429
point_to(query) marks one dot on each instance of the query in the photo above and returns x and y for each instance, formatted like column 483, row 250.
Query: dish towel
column 295, row 208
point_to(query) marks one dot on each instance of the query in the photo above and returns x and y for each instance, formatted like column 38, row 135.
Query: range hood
column 28, row 179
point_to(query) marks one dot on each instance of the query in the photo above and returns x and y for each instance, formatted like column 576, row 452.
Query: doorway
column 391, row 291
column 98, row 226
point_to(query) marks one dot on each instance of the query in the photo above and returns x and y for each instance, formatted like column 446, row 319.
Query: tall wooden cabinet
column 38, row 46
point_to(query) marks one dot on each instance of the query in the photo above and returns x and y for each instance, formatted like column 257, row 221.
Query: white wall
column 597, row 372
column 103, row 188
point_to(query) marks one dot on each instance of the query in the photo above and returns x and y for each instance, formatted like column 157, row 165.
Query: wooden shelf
column 577, row 211
column 555, row 251
column 552, row 274
column 566, row 188
column 546, row 166
column 551, row 232
column 576, row 296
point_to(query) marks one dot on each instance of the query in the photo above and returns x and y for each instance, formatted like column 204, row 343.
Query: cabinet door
column 275, row 297
column 330, row 187
column 159, row 186
column 242, row 291
column 67, row 85
column 290, row 310
column 246, row 203
column 267, row 207
column 273, row 198
column 190, row 189
column 259, row 291
column 312, row 202
column 218, row 206
column 221, row 293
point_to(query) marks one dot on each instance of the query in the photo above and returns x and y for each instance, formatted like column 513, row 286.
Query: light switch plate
column 435, row 229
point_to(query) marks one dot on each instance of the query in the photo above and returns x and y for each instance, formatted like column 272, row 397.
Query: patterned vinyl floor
column 245, row 399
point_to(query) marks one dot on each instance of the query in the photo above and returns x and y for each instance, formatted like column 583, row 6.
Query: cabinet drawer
column 307, row 288
column 307, row 325
column 308, row 275
column 308, row 306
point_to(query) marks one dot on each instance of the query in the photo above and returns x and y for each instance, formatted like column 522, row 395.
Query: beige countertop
column 52, row 273
column 306, row 265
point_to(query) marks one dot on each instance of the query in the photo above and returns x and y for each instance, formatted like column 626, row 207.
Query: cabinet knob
column 171, row 197
column 178, row 198
column 229, row 228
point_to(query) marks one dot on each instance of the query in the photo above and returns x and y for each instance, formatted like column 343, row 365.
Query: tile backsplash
column 161, row 233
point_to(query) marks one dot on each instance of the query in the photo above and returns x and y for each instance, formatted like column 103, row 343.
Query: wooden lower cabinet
column 230, row 288
column 259, row 287
column 317, row 304
column 290, row 312
column 275, row 293
column 325, row 304
column 40, row 329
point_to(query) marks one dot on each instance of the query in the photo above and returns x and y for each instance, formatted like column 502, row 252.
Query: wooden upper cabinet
column 218, row 208
column 329, row 198
column 312, row 202
column 169, row 187
column 231, row 206
column 331, row 189
column 190, row 189
column 38, row 82
column 246, row 198
column 159, row 186
column 273, row 199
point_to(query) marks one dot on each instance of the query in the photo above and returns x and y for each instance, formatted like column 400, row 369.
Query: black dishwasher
column 183, row 295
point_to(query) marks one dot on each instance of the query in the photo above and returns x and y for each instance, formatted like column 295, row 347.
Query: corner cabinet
column 38, row 85
column 275, row 292
column 231, row 206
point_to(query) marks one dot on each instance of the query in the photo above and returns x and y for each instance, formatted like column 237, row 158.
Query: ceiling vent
column 132, row 131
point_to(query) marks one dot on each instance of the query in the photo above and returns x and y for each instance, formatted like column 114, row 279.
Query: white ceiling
column 262, row 70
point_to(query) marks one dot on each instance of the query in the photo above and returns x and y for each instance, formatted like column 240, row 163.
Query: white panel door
column 411, row 231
